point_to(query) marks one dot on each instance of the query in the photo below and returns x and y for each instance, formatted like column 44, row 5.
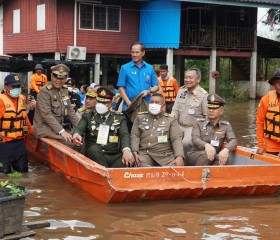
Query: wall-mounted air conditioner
column 76, row 53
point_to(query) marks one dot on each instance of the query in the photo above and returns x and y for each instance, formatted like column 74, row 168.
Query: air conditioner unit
column 76, row 53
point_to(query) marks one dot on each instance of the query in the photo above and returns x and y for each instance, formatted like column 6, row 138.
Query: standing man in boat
column 190, row 105
column 53, row 106
column 156, row 138
column 210, row 135
column 14, row 126
column 136, row 77
column 268, row 119
column 107, row 140
column 169, row 87
column 37, row 80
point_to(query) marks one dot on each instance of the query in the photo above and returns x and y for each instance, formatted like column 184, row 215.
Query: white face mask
column 154, row 108
column 101, row 108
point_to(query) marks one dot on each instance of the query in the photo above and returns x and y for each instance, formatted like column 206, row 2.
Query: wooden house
column 94, row 37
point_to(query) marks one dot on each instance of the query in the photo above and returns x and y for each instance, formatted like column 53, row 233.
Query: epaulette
column 203, row 91
column 182, row 86
column 140, row 113
column 49, row 87
column 225, row 122
column 200, row 119
column 169, row 115
column 82, row 109
column 65, row 86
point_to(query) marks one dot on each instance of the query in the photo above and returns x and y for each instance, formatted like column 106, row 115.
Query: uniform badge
column 61, row 69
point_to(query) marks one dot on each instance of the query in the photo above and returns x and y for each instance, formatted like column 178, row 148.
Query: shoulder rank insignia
column 182, row 86
column 203, row 91
column 201, row 119
column 49, row 87
column 225, row 122
column 140, row 113
column 169, row 115
column 64, row 86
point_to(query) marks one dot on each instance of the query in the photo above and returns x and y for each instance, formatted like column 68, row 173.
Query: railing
column 196, row 36
column 200, row 36
column 235, row 37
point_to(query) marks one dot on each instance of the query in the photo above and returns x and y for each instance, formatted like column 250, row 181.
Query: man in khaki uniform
column 156, row 139
column 53, row 106
column 210, row 135
column 190, row 105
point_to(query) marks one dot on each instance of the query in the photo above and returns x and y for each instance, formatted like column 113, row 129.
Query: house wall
column 59, row 31
column 29, row 40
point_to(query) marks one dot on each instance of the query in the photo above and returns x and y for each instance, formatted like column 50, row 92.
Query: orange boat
column 247, row 174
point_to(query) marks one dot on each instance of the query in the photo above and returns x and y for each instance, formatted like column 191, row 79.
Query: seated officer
column 208, row 136
column 107, row 140
column 53, row 107
column 156, row 138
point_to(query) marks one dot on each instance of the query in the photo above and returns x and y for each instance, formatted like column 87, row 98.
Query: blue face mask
column 15, row 92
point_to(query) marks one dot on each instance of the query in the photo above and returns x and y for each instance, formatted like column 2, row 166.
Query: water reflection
column 74, row 214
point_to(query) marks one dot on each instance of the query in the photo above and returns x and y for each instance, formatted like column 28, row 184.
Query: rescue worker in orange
column 268, row 119
column 169, row 87
column 14, row 125
column 37, row 80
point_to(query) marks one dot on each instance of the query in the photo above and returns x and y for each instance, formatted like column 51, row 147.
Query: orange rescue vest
column 272, row 118
column 13, row 121
column 168, row 90
column 41, row 80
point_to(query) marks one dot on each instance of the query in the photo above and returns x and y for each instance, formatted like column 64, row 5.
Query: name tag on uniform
column 191, row 111
column 215, row 143
column 162, row 139
column 113, row 139
column 103, row 133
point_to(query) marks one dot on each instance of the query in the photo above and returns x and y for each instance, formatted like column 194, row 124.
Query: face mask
column 154, row 108
column 101, row 108
column 15, row 92
column 70, row 89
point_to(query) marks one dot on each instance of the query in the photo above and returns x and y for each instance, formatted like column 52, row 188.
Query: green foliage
column 239, row 93
column 13, row 184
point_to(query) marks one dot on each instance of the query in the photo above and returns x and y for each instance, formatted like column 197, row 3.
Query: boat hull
column 253, row 175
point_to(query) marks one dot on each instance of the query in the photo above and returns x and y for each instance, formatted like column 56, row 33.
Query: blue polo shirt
column 135, row 79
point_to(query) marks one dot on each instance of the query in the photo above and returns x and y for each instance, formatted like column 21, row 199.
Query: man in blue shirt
column 137, row 77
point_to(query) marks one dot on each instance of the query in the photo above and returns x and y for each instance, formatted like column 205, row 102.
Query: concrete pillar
column 97, row 69
column 212, row 81
column 57, row 56
column 29, row 57
column 253, row 75
column 169, row 60
column 104, row 71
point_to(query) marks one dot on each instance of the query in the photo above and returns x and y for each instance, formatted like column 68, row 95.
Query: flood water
column 76, row 215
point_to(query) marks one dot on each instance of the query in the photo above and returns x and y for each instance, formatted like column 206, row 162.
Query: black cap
column 215, row 101
column 163, row 67
column 276, row 76
column 104, row 95
column 12, row 79
column 70, row 82
column 39, row 66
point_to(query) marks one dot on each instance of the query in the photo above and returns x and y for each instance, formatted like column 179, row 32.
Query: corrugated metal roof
column 244, row 3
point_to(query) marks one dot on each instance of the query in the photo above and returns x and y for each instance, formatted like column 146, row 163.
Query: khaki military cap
column 91, row 92
column 60, row 70
column 215, row 101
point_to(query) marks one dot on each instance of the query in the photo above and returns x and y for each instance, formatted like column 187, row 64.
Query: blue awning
column 160, row 24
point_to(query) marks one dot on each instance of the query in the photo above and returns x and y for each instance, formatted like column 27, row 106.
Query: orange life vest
column 168, row 90
column 272, row 118
column 13, row 120
column 41, row 80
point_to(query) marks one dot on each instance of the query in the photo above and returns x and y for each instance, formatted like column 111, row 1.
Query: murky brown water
column 76, row 215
